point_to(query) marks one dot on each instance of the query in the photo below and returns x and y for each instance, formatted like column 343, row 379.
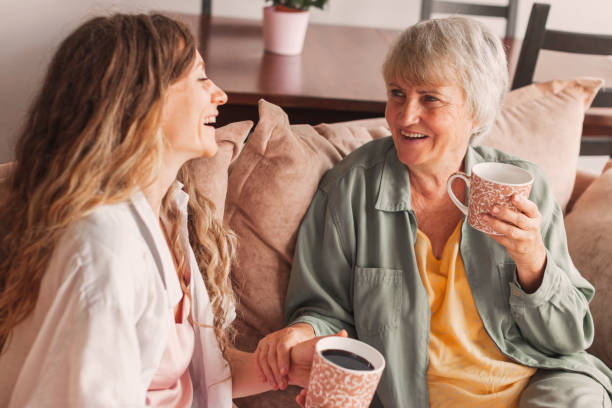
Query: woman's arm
column 550, row 300
column 88, row 351
column 245, row 378
column 522, row 238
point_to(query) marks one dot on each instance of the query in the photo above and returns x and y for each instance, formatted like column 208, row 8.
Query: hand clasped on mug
column 345, row 373
column 490, row 184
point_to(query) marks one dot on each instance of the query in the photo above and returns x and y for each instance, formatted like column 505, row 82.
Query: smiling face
column 188, row 113
column 431, row 125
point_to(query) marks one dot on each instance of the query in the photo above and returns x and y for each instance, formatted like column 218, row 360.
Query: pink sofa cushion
column 211, row 174
column 543, row 123
column 589, row 235
column 270, row 188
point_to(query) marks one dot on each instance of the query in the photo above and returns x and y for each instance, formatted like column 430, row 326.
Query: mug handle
column 452, row 196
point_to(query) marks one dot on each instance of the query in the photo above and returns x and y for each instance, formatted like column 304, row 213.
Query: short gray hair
column 434, row 52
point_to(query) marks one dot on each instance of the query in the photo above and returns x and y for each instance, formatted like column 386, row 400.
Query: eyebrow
column 430, row 91
column 423, row 91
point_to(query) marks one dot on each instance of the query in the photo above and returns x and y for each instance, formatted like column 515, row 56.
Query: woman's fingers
column 264, row 366
column 283, row 356
column 526, row 206
column 273, row 363
column 514, row 218
column 522, row 238
column 301, row 398
column 273, row 354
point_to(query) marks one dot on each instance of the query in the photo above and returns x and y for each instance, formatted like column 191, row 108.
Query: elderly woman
column 464, row 319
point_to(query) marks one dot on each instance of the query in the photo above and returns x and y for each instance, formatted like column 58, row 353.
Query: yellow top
column 465, row 367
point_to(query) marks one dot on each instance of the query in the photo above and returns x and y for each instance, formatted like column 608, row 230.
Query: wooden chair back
column 538, row 37
column 429, row 7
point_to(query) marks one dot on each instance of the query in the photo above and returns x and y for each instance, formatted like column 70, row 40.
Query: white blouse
column 99, row 328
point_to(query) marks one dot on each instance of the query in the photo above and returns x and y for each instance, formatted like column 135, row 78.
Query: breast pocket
column 377, row 299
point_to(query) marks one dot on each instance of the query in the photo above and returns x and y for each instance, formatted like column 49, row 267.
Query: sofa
column 271, row 178
column 264, row 177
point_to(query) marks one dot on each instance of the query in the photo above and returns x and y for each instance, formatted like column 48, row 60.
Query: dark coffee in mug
column 346, row 359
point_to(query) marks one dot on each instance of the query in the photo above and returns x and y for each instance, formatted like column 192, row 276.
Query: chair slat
column 452, row 7
column 428, row 7
column 537, row 37
column 580, row 43
column 603, row 99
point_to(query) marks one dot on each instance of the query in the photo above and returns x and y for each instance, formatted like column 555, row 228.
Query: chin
column 210, row 151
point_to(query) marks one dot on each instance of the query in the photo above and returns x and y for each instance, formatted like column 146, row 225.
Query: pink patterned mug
column 490, row 184
column 332, row 384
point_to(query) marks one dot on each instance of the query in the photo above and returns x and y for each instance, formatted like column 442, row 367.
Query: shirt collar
column 394, row 192
column 157, row 241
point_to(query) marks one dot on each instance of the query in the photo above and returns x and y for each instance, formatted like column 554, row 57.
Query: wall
column 583, row 15
column 30, row 32
column 31, row 29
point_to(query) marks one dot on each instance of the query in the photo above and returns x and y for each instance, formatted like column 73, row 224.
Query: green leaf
column 300, row 4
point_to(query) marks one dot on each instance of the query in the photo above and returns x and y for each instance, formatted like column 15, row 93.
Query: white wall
column 579, row 15
column 31, row 29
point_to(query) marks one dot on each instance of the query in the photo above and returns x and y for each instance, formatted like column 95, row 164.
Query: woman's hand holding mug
column 498, row 205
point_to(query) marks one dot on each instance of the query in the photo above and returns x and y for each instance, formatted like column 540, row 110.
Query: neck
column 431, row 182
column 155, row 192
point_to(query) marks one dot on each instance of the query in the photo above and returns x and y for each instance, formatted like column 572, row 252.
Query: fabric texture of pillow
column 589, row 236
column 211, row 173
column 542, row 123
column 270, row 188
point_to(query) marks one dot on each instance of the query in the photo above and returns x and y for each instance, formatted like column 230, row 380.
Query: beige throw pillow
column 211, row 173
column 589, row 236
column 270, row 188
column 543, row 123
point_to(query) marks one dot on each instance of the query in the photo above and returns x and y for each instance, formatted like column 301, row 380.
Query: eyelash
column 203, row 79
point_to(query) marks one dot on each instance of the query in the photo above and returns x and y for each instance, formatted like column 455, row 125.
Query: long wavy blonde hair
column 92, row 138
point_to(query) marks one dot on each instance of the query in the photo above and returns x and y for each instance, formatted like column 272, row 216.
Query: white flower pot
column 283, row 31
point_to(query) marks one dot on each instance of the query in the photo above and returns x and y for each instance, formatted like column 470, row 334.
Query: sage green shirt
column 355, row 269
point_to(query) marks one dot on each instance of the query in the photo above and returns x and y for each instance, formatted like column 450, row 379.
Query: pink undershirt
column 171, row 385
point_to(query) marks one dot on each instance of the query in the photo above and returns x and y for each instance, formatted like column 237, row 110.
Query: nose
column 410, row 112
column 218, row 96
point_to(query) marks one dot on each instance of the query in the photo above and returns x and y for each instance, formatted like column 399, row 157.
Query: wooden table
column 338, row 75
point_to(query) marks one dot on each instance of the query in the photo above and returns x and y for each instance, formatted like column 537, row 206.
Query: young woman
column 114, row 282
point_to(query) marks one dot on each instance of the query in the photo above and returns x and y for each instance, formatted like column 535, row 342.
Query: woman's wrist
column 302, row 330
column 531, row 278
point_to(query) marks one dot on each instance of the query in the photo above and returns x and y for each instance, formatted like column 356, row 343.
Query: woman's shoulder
column 369, row 156
column 112, row 226
column 104, row 253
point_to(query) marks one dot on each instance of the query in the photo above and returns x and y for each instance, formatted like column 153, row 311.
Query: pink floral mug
column 344, row 374
column 490, row 184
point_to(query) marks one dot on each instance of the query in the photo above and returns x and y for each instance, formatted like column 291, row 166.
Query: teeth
column 411, row 135
column 210, row 119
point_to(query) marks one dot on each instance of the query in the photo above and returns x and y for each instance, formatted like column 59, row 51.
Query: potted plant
column 285, row 23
